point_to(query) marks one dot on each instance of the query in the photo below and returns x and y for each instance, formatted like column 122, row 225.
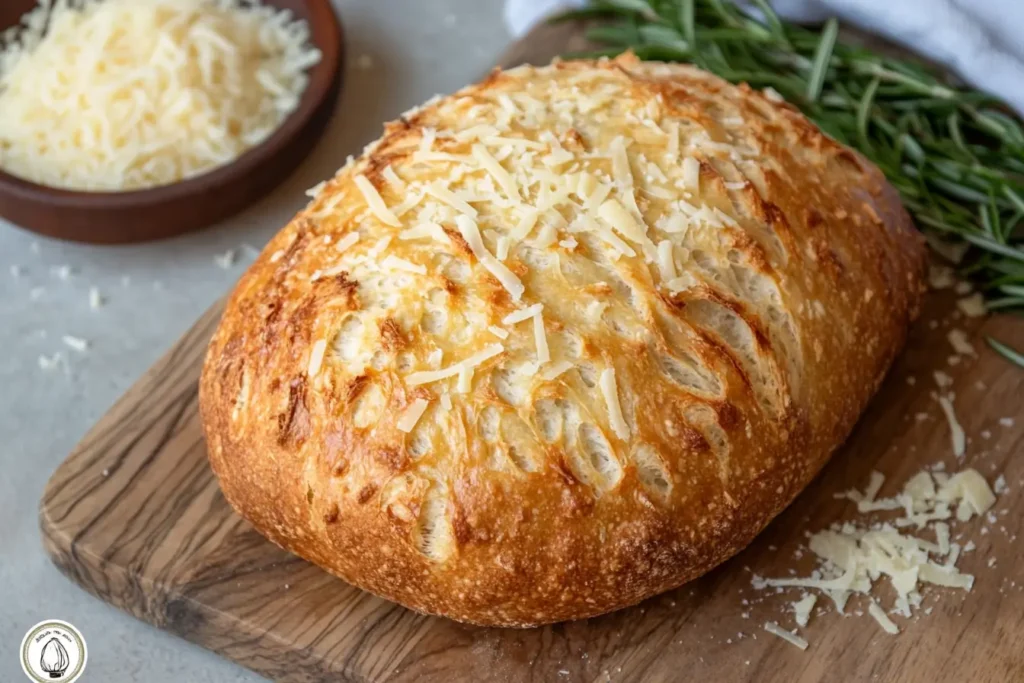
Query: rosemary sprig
column 1006, row 352
column 954, row 154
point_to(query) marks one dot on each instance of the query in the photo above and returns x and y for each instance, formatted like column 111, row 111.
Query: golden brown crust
column 740, row 362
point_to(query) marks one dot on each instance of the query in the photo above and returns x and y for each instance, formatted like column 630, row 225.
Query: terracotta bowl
column 139, row 215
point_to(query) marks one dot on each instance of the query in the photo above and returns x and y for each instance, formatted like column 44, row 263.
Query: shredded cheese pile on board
column 853, row 557
column 110, row 95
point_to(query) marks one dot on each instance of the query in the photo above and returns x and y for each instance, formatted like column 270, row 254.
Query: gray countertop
column 400, row 52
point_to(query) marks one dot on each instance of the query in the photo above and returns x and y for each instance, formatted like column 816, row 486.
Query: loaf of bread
column 559, row 342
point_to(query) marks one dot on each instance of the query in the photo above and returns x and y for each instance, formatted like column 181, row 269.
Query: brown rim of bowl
column 316, row 104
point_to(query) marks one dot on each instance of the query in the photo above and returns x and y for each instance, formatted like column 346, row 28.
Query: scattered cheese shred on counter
column 788, row 636
column 226, row 260
column 961, row 344
column 76, row 343
column 956, row 432
column 127, row 94
column 882, row 618
column 802, row 608
column 972, row 306
column 48, row 363
column 852, row 558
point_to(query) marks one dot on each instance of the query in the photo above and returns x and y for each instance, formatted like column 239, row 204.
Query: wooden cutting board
column 135, row 517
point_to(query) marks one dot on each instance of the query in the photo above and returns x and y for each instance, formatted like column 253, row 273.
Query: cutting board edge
column 168, row 607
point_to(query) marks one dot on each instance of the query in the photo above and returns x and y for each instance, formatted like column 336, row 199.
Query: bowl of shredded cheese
column 129, row 120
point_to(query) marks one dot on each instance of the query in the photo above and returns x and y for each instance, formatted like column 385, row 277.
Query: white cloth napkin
column 981, row 40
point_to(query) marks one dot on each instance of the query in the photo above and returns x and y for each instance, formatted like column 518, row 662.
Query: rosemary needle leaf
column 864, row 110
column 642, row 7
column 664, row 35
column 771, row 19
column 686, row 21
column 822, row 56
column 1006, row 352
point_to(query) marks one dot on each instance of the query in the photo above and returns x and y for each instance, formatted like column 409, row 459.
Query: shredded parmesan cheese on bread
column 412, row 415
column 375, row 202
column 611, row 396
column 471, row 233
column 424, row 377
column 522, row 314
column 540, row 339
column 316, row 357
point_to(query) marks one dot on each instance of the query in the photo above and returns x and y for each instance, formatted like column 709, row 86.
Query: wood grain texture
column 135, row 517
